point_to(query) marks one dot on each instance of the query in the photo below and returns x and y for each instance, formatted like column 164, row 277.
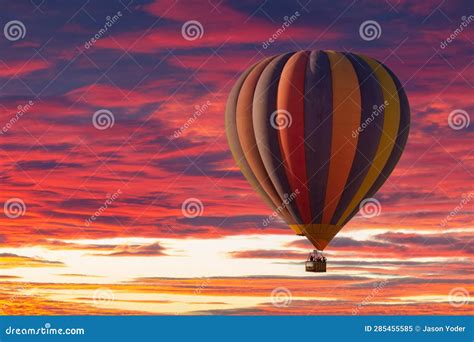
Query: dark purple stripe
column 264, row 104
column 369, row 137
column 400, row 142
column 318, row 129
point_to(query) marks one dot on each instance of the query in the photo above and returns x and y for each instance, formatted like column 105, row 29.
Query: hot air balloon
column 315, row 133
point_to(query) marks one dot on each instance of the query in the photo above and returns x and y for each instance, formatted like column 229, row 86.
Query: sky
column 120, row 194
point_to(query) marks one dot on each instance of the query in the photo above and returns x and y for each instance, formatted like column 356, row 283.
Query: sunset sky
column 133, row 116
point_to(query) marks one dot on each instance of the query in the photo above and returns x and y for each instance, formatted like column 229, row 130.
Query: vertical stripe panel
column 264, row 104
column 247, row 140
column 318, row 129
column 290, row 106
column 391, row 124
column 400, row 142
column 368, row 137
column 233, row 138
column 345, row 118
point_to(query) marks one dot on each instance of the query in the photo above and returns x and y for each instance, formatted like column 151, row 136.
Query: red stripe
column 291, row 99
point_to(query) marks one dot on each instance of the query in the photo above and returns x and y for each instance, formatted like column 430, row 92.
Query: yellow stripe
column 391, row 123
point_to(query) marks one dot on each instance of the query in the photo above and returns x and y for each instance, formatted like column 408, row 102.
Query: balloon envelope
column 316, row 133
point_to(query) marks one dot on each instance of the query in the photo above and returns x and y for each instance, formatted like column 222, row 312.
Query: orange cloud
column 10, row 261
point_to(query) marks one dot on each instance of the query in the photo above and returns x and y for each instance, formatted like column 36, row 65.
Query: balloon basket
column 316, row 262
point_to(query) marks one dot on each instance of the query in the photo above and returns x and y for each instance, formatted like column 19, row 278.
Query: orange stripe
column 346, row 118
column 291, row 99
